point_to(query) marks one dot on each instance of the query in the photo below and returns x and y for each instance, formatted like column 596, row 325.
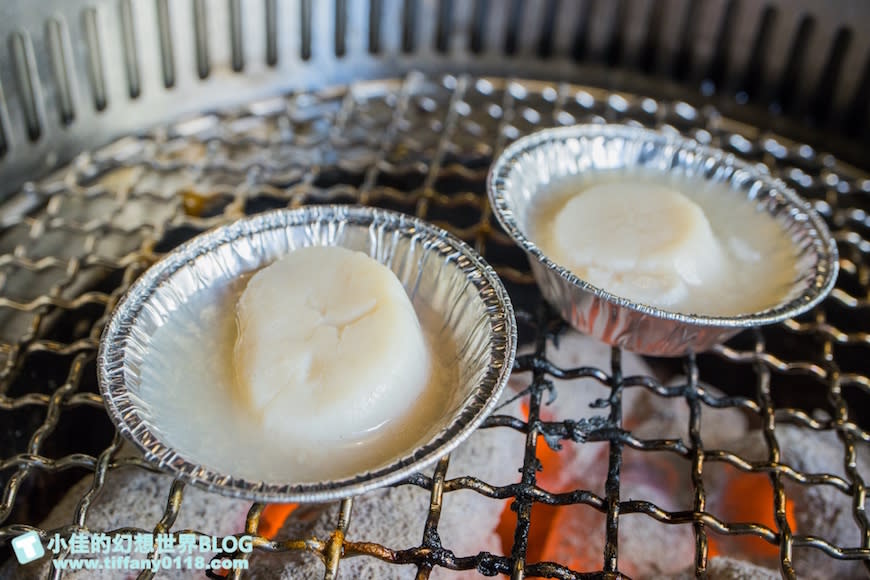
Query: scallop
column 671, row 241
column 329, row 346
column 644, row 241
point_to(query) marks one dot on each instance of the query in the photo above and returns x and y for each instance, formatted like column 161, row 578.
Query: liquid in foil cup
column 433, row 266
column 529, row 165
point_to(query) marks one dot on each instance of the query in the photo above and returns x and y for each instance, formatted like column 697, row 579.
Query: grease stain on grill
column 204, row 205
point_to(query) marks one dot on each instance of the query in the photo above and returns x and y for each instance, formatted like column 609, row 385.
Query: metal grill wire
column 420, row 145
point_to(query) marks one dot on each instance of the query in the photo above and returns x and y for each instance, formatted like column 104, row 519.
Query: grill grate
column 74, row 242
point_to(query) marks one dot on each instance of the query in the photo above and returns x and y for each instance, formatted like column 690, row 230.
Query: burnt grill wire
column 421, row 145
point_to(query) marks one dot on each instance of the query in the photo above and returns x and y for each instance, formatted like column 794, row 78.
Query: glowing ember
column 543, row 518
column 573, row 535
column 748, row 498
column 576, row 525
column 273, row 517
column 547, row 538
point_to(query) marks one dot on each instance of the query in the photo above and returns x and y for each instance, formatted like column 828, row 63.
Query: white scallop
column 644, row 241
column 329, row 346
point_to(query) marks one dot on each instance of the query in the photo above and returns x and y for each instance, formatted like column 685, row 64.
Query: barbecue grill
column 129, row 126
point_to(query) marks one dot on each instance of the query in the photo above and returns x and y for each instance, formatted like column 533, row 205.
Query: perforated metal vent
column 74, row 73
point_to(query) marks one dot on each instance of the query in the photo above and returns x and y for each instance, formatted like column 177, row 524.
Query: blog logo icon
column 27, row 547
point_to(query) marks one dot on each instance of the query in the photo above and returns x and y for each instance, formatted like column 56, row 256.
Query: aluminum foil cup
column 525, row 169
column 439, row 272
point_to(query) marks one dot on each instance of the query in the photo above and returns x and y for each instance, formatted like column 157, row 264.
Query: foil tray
column 435, row 268
column 525, row 169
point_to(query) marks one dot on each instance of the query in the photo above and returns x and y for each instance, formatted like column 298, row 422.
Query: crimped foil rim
column 824, row 245
column 123, row 410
